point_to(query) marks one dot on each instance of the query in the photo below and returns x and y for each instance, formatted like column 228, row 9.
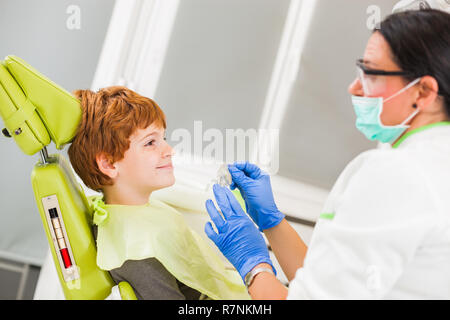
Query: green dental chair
column 36, row 111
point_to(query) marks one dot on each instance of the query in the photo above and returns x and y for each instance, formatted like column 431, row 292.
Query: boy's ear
column 105, row 165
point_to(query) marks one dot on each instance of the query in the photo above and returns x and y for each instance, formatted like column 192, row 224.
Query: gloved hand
column 238, row 239
column 254, row 185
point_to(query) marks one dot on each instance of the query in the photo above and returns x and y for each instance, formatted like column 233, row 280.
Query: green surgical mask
column 368, row 111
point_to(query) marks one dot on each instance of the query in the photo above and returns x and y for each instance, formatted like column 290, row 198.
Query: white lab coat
column 390, row 235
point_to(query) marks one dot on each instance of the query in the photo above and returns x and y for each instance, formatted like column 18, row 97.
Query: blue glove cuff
column 253, row 262
column 274, row 220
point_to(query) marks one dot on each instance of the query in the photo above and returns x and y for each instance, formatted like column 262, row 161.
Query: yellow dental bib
column 156, row 230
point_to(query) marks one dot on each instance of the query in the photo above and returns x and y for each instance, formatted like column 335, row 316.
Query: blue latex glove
column 238, row 239
column 254, row 185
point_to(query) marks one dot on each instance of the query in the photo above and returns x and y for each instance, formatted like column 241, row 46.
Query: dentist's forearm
column 288, row 247
column 265, row 286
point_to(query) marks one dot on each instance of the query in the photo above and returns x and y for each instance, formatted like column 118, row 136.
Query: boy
column 120, row 150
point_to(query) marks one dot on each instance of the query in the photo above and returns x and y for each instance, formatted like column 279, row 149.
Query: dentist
column 384, row 232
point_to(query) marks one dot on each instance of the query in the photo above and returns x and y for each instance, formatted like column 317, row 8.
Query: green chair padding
column 35, row 112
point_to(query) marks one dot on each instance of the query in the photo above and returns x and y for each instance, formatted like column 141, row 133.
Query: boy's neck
column 125, row 196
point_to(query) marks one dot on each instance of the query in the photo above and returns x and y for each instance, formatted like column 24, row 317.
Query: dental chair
column 35, row 112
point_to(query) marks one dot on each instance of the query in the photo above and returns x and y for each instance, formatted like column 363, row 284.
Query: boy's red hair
column 110, row 117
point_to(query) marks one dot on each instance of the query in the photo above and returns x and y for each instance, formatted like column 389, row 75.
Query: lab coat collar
column 433, row 129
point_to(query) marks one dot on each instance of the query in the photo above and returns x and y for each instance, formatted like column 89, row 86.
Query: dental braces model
column 223, row 177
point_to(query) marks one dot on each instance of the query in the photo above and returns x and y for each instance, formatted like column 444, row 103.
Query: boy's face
column 147, row 164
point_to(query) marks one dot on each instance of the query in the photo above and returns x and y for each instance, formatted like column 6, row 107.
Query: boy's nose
column 167, row 151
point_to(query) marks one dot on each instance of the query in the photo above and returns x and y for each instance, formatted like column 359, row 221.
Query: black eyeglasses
column 360, row 64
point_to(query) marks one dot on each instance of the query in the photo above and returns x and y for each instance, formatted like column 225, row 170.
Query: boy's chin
column 170, row 181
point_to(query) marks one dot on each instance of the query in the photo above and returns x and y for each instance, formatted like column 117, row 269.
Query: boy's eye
column 150, row 143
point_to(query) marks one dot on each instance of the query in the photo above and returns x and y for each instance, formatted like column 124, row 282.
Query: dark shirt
column 151, row 281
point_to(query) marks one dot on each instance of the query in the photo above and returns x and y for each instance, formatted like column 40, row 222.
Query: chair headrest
column 34, row 109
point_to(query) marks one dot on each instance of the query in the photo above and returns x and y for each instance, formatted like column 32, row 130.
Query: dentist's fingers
column 234, row 203
column 215, row 215
column 251, row 170
column 238, row 176
column 211, row 233
column 222, row 200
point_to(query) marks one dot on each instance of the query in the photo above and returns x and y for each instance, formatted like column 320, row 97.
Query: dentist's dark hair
column 420, row 44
